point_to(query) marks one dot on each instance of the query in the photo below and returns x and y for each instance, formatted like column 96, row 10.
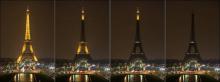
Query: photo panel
column 192, row 29
column 27, row 40
column 137, row 41
column 82, row 41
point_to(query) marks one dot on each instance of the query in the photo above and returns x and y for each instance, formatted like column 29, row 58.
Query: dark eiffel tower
column 137, row 52
column 192, row 51
column 82, row 50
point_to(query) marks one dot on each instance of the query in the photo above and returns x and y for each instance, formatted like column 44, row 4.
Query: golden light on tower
column 27, row 30
column 137, row 14
column 78, row 49
column 87, row 50
column 82, row 14
column 19, row 59
column 27, row 46
column 82, row 48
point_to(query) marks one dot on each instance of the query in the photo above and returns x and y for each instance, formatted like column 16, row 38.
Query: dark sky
column 62, row 39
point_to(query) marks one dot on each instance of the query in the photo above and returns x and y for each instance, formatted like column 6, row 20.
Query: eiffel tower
column 137, row 52
column 27, row 57
column 192, row 52
column 82, row 50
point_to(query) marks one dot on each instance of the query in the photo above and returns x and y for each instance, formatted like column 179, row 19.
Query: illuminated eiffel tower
column 137, row 57
column 82, row 56
column 27, row 57
column 192, row 52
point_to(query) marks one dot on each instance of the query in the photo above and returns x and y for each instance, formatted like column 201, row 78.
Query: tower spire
column 192, row 36
column 27, row 30
column 137, row 35
column 82, row 38
column 137, row 14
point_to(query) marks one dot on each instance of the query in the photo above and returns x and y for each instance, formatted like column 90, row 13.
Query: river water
column 135, row 78
column 79, row 78
column 189, row 78
column 24, row 77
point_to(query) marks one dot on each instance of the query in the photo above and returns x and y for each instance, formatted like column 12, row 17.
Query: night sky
column 162, row 38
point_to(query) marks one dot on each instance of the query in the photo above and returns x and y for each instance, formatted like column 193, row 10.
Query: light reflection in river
column 79, row 78
column 189, row 78
column 134, row 78
column 23, row 77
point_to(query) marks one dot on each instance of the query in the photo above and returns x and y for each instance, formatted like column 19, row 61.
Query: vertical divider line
column 219, row 35
column 1, row 30
column 54, row 35
column 165, row 39
column 110, row 26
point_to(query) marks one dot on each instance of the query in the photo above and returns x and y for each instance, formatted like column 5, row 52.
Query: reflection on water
column 189, row 78
column 79, row 78
column 134, row 78
column 23, row 77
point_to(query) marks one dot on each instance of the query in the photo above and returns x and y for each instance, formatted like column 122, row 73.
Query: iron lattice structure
column 27, row 56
